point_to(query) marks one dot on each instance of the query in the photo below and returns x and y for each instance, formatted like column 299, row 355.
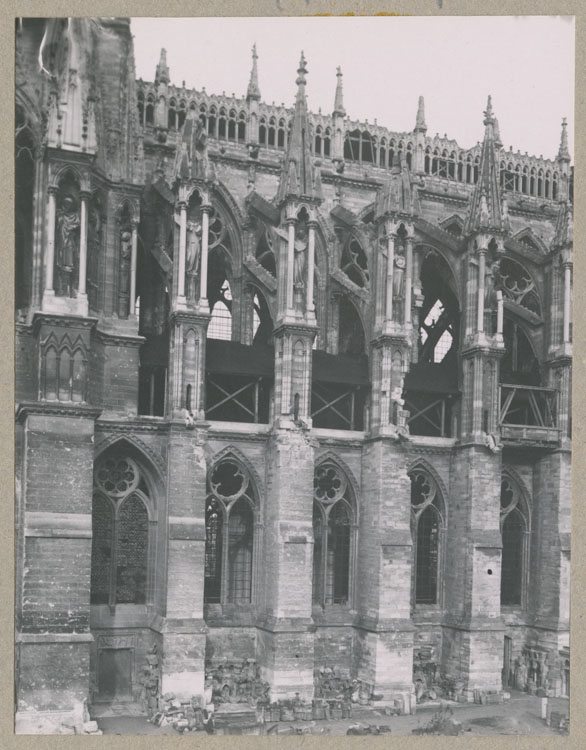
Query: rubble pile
column 236, row 682
column 182, row 716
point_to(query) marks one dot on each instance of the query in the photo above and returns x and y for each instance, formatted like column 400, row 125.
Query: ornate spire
column 564, row 153
column 299, row 176
column 420, row 126
column 486, row 210
column 399, row 196
column 339, row 100
column 253, row 89
column 162, row 74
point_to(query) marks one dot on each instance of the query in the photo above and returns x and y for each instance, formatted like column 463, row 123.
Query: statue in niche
column 192, row 258
column 68, row 223
column 399, row 272
column 192, row 251
column 299, row 256
column 124, row 277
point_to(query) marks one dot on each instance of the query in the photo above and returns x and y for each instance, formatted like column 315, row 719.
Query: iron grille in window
column 120, row 533
column 332, row 532
column 427, row 525
column 229, row 534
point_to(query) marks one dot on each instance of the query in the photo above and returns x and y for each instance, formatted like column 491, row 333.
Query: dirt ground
column 520, row 716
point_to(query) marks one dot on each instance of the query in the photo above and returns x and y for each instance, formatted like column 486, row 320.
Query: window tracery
column 427, row 525
column 517, row 285
column 120, row 538
column 514, row 524
column 333, row 531
column 230, row 521
column 353, row 262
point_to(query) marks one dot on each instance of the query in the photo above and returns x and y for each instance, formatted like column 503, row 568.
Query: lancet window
column 231, row 508
column 515, row 528
column 120, row 533
column 427, row 530
column 334, row 528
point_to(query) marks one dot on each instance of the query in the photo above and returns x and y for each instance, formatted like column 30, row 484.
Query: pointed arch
column 232, row 514
column 422, row 464
column 335, row 524
column 149, row 461
column 232, row 451
column 335, row 458
column 515, row 524
column 428, row 530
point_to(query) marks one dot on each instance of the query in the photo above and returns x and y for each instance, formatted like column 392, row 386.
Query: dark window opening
column 427, row 558
column 120, row 534
column 512, row 559
column 337, row 406
column 237, row 398
column 150, row 110
column 426, row 526
column 229, row 535
column 332, row 530
column 351, row 338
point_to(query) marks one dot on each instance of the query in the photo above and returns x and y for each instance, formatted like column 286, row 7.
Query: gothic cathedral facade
column 291, row 388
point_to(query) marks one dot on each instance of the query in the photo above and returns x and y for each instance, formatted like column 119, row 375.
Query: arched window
column 172, row 116
column 120, row 534
column 222, row 123
column 181, row 114
column 318, row 140
column 242, row 127
column 382, row 153
column 262, row 131
column 220, row 326
column 212, row 122
column 409, row 156
column 232, row 125
column 327, row 142
column 230, row 519
column 333, row 533
column 272, row 131
column 540, row 183
column 150, row 110
column 281, row 134
column 140, row 107
column 203, row 115
column 427, row 527
column 514, row 530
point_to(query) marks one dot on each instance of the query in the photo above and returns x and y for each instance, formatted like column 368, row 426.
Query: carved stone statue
column 124, row 277
column 192, row 258
column 399, row 272
column 68, row 244
column 299, row 257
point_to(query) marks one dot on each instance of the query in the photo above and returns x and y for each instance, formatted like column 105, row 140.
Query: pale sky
column 525, row 62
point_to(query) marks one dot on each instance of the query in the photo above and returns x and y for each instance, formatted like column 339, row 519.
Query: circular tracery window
column 329, row 485
column 117, row 476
